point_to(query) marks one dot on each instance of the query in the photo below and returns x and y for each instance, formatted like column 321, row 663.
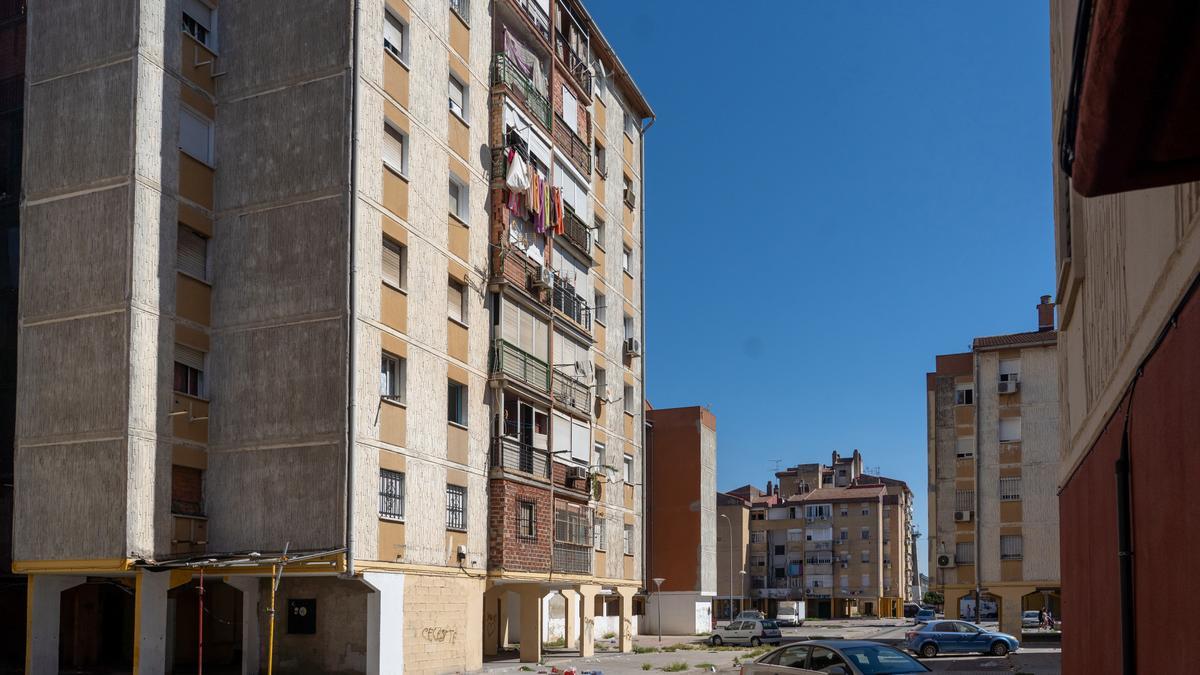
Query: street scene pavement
column 692, row 653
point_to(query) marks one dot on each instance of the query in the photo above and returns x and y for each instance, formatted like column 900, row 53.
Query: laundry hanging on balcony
column 539, row 198
column 525, row 61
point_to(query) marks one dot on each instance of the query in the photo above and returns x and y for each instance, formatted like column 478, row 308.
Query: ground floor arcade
column 1002, row 602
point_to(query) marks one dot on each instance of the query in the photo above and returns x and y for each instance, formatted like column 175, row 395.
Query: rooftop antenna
column 777, row 463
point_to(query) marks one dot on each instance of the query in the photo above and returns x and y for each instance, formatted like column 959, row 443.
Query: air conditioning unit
column 963, row 516
column 576, row 473
column 542, row 278
column 1008, row 386
column 633, row 347
column 945, row 560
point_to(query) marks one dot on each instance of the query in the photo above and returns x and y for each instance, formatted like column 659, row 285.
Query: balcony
column 505, row 72
column 536, row 15
column 818, row 546
column 571, row 304
column 572, row 558
column 511, row 362
column 576, row 64
column 572, row 393
column 818, row 568
column 511, row 454
column 577, row 231
column 575, row 147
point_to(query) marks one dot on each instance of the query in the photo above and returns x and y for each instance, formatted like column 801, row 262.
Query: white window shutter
column 393, row 35
column 570, row 109
column 393, row 148
column 391, row 264
column 195, row 136
column 192, row 253
column 581, row 441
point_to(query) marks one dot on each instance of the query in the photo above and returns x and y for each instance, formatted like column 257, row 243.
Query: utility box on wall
column 302, row 616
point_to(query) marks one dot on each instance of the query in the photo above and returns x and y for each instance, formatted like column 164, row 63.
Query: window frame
column 188, row 111
column 402, row 170
column 184, row 229
column 398, row 479
column 461, row 287
column 464, row 108
column 964, row 391
column 958, row 453
column 526, row 519
column 201, row 378
column 401, row 55
column 211, row 43
column 627, row 539
column 463, row 212
column 1006, row 488
column 600, row 532
column 397, row 384
column 1020, row 544
column 627, row 469
column 462, row 404
column 600, row 310
column 462, row 8
column 626, row 256
column 627, row 397
column 456, row 493
column 401, row 283
column 969, row 558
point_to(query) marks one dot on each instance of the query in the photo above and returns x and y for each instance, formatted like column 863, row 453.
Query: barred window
column 456, row 507
column 964, row 500
column 600, row 533
column 526, row 526
column 628, row 540
column 572, row 525
column 866, row 555
column 391, row 494
column 1012, row 547
column 865, row 533
column 964, row 553
column 1010, row 489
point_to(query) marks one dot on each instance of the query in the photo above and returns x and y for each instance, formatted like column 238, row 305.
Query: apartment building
column 1127, row 244
column 733, row 546
column 840, row 542
column 681, row 520
column 993, row 426
column 234, row 215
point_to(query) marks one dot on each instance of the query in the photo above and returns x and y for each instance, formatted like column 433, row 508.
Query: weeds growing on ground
column 646, row 666
column 609, row 635
column 637, row 649
column 675, row 667
column 526, row 669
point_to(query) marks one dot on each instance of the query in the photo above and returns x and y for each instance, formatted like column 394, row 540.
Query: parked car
column 749, row 615
column 936, row 637
column 1031, row 618
column 923, row 616
column 844, row 657
column 911, row 609
column 753, row 632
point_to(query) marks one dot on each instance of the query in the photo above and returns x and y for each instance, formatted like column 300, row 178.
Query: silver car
column 754, row 632
column 835, row 657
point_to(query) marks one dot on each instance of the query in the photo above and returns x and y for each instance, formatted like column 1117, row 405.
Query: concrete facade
column 733, row 538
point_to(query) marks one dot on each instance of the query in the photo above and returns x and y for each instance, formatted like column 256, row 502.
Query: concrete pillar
column 249, row 586
column 493, row 620
column 512, row 619
column 625, row 638
column 1010, row 611
column 385, row 622
column 531, row 625
column 44, row 593
column 571, row 619
column 587, row 619
column 150, row 622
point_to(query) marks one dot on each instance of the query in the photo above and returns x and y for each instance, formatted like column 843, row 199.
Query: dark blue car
column 935, row 637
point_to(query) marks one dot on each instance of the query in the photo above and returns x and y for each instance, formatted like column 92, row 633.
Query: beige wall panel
column 1010, row 570
column 195, row 181
column 627, row 149
column 196, row 339
column 964, row 415
column 459, row 238
column 185, row 425
column 459, row 136
column 193, row 299
column 457, row 444
column 443, row 624
column 393, row 230
column 395, row 194
column 1010, row 453
column 391, row 540
column 193, row 53
column 456, row 342
column 195, row 219
column 197, row 101
column 600, row 115
column 964, row 468
column 393, row 308
column 393, row 424
column 1010, row 512
column 392, row 344
column 395, row 80
column 460, row 36
column 186, row 455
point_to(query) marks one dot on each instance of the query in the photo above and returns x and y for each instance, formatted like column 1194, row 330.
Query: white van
column 789, row 613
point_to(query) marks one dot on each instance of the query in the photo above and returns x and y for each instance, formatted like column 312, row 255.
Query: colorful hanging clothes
column 559, row 223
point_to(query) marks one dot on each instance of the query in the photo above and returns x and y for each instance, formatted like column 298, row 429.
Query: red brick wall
column 506, row 549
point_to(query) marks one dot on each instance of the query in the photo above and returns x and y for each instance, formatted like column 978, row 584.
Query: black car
column 911, row 609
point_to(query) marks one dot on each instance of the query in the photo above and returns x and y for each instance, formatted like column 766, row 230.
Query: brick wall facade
column 506, row 549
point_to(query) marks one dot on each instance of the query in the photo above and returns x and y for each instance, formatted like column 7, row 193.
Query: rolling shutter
column 191, row 251
column 393, row 148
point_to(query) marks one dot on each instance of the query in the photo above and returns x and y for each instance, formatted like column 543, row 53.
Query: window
column 458, row 198
column 600, row 533
column 198, row 22
column 866, row 555
column 1010, row 489
column 456, row 507
column 598, row 236
column 526, row 527
column 601, row 161
column 818, row 511
column 187, row 490
column 865, row 533
column 625, row 255
column 458, row 98
column 629, row 123
column 964, row 553
column 780, row 573
column 964, row 394
column 391, row 377
column 570, row 109
column 395, row 149
column 844, row 582
column 627, row 544
column 391, row 495
column 456, row 301
column 571, row 438
column 757, row 536
column 601, row 456
column 843, row 534
column 630, row 403
column 457, row 408
column 1010, row 370
column 627, row 324
column 189, row 371
column 866, row 581
column 395, row 37
column 627, row 191
column 1010, row 429
column 964, row 500
column 627, row 469
column 1012, row 547
column 601, row 301
column 601, row 382
column 758, row 515
column 844, row 511
column 461, row 7
column 394, row 264
column 191, row 253
column 795, row 534
column 964, row 447
column 866, row 509
column 525, row 330
column 779, row 549
column 195, row 135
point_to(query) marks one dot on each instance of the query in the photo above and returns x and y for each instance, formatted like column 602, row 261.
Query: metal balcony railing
column 511, row 454
column 571, row 304
column 575, row 63
column 513, row 362
column 507, row 73
column 536, row 15
column 572, row 393
column 577, row 231
column 818, row 546
column 569, row 142
column 818, row 568
column 572, row 558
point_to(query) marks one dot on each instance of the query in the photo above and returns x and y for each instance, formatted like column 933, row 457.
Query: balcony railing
column 575, row 63
column 511, row 454
column 818, row 546
column 818, row 568
column 507, row 73
column 573, row 305
column 536, row 15
column 576, row 231
column 571, row 392
column 576, row 148
column 572, row 558
column 515, row 363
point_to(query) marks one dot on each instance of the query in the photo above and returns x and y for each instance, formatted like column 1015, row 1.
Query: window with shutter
column 458, row 97
column 195, row 136
column 1012, row 547
column 1010, row 430
column 395, row 151
column 458, row 198
column 198, row 22
column 570, row 110
column 191, row 253
column 189, row 371
column 456, row 301
column 394, row 33
column 392, row 264
column 391, row 377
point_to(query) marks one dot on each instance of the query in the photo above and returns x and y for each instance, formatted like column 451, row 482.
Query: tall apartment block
column 833, row 536
column 1127, row 244
column 275, row 241
column 733, row 546
column 681, row 520
column 993, row 460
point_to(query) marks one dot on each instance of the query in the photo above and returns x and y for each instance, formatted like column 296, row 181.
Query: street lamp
column 658, row 590
column 740, row 589
column 730, row 523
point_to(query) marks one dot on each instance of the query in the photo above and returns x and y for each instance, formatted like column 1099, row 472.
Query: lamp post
column 658, row 590
column 730, row 523
column 740, row 589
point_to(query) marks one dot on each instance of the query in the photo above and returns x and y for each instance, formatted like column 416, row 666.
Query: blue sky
column 837, row 191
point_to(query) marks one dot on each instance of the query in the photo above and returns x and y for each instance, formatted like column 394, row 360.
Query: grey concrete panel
column 282, row 144
column 86, row 521
column 280, row 263
column 265, row 45
column 69, row 35
column 262, row 499
column 278, row 384
column 77, row 129
column 74, row 377
column 72, row 273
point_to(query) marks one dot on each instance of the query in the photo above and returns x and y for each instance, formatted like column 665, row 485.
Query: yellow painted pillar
column 587, row 619
column 625, row 639
column 570, row 619
column 492, row 618
column 1010, row 610
column 531, row 624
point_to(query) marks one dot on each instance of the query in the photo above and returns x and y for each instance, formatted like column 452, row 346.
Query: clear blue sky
column 837, row 191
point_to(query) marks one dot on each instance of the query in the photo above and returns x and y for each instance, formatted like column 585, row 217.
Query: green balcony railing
column 513, row 362
column 507, row 73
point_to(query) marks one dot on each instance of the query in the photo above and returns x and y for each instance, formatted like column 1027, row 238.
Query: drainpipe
column 1125, row 554
column 978, row 492
column 352, row 304
column 642, row 334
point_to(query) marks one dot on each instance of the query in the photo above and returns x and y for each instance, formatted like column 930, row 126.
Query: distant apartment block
column 993, row 460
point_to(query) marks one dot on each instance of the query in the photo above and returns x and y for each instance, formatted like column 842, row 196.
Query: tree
column 933, row 598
